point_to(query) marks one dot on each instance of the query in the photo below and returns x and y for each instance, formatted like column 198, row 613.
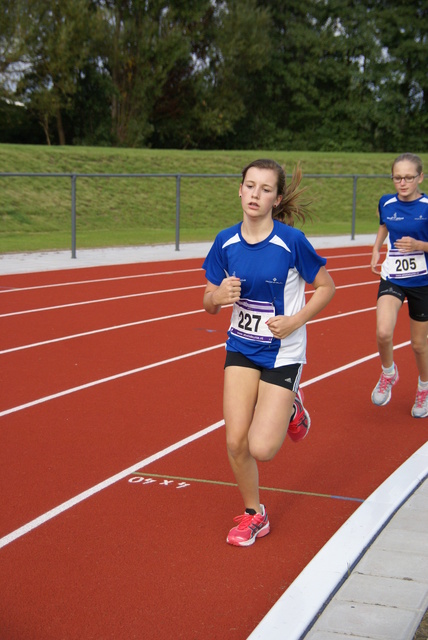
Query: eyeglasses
column 398, row 179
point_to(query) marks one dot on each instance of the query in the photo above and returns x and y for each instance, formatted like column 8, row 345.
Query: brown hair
column 410, row 157
column 291, row 207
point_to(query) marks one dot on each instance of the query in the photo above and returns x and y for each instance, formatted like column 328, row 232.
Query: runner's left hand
column 406, row 244
column 282, row 326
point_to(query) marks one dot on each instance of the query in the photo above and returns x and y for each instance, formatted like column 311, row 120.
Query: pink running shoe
column 301, row 421
column 249, row 527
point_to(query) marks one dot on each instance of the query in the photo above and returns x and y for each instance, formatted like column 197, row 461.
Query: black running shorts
column 417, row 298
column 287, row 376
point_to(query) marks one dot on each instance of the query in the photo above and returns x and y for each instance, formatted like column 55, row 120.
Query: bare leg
column 386, row 319
column 257, row 415
column 271, row 419
column 419, row 334
column 240, row 396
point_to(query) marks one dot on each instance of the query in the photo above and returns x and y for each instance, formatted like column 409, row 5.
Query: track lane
column 123, row 587
column 65, row 276
column 59, row 448
column 57, row 367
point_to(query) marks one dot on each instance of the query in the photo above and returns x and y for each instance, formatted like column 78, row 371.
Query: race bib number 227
column 249, row 319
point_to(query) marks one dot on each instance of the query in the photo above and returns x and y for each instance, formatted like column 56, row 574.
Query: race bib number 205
column 249, row 319
column 406, row 265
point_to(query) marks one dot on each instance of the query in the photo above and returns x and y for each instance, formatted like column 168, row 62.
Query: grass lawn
column 123, row 211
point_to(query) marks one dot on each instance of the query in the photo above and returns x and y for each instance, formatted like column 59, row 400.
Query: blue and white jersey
column 273, row 275
column 404, row 218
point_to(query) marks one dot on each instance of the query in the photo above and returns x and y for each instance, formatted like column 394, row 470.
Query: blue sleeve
column 379, row 208
column 214, row 263
column 308, row 262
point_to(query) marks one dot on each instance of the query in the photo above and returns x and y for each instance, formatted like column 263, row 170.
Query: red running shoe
column 301, row 421
column 249, row 527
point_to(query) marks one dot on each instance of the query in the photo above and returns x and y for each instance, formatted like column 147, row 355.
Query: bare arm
column 380, row 239
column 283, row 326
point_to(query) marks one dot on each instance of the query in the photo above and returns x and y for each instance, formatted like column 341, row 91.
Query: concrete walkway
column 386, row 594
column 52, row 260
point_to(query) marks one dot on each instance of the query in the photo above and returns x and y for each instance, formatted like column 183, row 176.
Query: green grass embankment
column 36, row 212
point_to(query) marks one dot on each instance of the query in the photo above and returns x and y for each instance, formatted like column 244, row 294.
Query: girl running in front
column 403, row 220
column 260, row 266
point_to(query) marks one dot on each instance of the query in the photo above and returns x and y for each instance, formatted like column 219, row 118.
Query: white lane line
column 359, row 266
column 95, row 383
column 74, row 283
column 348, row 255
column 103, row 330
column 350, row 365
column 146, row 293
column 356, row 284
column 339, row 315
column 169, row 360
column 86, row 302
column 97, row 280
column 33, row 524
column 158, row 319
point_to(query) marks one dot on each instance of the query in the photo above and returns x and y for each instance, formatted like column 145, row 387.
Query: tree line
column 320, row 75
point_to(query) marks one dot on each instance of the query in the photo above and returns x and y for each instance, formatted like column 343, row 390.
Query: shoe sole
column 381, row 404
column 308, row 418
column 247, row 543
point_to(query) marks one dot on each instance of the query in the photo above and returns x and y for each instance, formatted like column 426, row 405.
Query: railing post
column 73, row 215
column 354, row 206
column 177, row 212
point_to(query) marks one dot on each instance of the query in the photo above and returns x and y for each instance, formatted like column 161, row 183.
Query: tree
column 401, row 93
column 179, row 113
column 10, row 45
column 57, row 38
column 346, row 74
column 234, row 77
column 151, row 54
column 8, row 25
column 320, row 75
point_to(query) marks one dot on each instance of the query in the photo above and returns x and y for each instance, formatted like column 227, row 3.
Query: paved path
column 387, row 593
column 51, row 260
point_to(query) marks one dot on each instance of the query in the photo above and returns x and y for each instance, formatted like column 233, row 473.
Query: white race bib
column 405, row 265
column 249, row 319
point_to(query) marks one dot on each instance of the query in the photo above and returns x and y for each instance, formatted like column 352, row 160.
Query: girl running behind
column 403, row 219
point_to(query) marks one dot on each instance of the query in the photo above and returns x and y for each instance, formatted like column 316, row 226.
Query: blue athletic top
column 273, row 274
column 404, row 218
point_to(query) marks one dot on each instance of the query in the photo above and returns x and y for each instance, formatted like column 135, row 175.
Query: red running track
column 116, row 490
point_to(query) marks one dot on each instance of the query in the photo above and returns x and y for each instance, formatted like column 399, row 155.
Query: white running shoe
column 420, row 408
column 382, row 392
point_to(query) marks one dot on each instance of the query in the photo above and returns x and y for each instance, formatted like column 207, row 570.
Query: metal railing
column 178, row 176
